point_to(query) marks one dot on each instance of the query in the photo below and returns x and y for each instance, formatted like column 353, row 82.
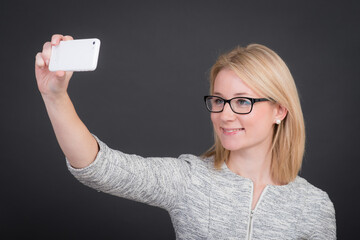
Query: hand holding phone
column 75, row 55
column 51, row 83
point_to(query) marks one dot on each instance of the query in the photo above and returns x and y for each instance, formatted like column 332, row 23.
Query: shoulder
column 318, row 212
column 197, row 161
column 200, row 167
column 309, row 192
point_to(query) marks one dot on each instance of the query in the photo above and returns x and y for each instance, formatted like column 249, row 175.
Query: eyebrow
column 236, row 94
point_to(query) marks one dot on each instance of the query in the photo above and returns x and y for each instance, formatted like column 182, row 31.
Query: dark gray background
column 145, row 97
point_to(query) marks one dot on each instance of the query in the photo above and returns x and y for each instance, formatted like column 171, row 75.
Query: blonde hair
column 267, row 74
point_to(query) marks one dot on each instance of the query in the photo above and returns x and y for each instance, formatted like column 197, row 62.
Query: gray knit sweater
column 205, row 203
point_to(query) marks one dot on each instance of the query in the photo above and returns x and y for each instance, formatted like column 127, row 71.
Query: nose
column 227, row 114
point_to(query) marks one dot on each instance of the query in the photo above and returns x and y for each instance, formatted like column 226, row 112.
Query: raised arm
column 75, row 140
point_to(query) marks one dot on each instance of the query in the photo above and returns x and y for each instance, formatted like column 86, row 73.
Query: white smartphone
column 75, row 55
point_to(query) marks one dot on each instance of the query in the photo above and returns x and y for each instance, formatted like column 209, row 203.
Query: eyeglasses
column 239, row 105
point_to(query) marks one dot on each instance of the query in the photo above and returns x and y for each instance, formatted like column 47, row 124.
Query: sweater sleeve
column 154, row 181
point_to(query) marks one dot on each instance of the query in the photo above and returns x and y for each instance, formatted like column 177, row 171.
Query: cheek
column 213, row 118
column 259, row 124
column 250, row 120
column 261, row 116
column 257, row 121
column 215, row 122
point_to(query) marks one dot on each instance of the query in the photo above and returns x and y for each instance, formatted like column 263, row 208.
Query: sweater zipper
column 251, row 214
column 250, row 225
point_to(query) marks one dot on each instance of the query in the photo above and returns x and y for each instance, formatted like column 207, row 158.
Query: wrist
column 55, row 98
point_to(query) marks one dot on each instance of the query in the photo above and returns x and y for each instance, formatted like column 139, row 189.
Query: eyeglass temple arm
column 261, row 100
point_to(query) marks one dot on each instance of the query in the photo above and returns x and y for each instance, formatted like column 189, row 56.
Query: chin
column 231, row 146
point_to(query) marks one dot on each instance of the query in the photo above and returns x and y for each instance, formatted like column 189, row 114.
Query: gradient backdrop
column 145, row 97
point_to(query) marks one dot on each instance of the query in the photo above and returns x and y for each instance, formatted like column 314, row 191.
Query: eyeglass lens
column 239, row 105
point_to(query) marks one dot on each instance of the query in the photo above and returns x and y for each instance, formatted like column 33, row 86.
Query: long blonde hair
column 267, row 74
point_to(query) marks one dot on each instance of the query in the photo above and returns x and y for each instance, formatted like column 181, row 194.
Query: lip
column 231, row 131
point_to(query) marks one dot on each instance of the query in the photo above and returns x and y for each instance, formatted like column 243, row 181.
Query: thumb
column 60, row 75
column 62, row 78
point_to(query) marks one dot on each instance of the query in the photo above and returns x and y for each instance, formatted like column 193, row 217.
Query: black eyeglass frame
column 252, row 100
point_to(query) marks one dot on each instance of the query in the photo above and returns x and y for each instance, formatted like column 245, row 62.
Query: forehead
column 228, row 84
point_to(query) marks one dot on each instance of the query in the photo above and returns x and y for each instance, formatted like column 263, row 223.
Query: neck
column 253, row 164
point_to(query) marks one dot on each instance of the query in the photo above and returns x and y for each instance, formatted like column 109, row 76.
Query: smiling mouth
column 230, row 131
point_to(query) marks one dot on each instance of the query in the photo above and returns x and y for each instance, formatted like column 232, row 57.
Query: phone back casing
column 75, row 55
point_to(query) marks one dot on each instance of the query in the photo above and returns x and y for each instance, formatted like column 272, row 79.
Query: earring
column 278, row 121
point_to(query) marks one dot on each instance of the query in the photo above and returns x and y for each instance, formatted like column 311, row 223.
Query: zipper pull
column 250, row 225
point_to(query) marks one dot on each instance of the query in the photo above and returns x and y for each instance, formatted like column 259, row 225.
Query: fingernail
column 47, row 62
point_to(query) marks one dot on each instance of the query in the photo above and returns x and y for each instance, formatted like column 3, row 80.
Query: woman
column 245, row 187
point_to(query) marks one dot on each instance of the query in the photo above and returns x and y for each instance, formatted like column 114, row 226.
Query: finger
column 67, row 38
column 46, row 53
column 60, row 74
column 39, row 61
column 56, row 38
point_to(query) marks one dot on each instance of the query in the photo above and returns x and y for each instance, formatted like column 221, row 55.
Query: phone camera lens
column 93, row 42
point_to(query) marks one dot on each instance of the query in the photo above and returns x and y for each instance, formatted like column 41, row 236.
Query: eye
column 218, row 101
column 243, row 102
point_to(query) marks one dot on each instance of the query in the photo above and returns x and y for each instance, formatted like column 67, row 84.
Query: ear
column 280, row 112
